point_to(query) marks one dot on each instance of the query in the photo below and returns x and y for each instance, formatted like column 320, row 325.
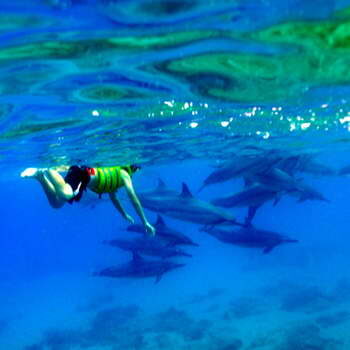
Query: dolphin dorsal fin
column 160, row 221
column 185, row 191
column 161, row 185
column 136, row 257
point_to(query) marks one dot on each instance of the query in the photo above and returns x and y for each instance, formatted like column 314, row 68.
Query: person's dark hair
column 74, row 177
column 135, row 167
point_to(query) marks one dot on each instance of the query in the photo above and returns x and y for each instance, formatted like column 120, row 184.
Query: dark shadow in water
column 333, row 319
column 307, row 336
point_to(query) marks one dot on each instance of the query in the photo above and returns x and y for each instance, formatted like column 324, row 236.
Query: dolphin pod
column 268, row 175
column 277, row 177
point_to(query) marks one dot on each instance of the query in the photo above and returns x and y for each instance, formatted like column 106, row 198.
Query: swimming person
column 69, row 189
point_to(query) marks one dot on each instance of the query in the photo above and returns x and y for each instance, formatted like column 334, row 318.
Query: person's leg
column 49, row 189
column 63, row 189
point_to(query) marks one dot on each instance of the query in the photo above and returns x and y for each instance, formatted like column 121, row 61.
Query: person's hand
column 130, row 218
column 150, row 229
column 76, row 192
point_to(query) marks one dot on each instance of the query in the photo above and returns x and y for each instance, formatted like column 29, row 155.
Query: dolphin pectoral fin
column 161, row 185
column 251, row 214
column 158, row 278
column 277, row 199
column 136, row 258
column 268, row 249
column 207, row 227
column 201, row 188
column 160, row 221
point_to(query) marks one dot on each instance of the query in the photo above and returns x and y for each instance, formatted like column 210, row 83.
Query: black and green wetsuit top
column 109, row 179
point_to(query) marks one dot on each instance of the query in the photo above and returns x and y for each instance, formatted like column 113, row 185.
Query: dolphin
column 139, row 267
column 280, row 181
column 147, row 246
column 306, row 192
column 171, row 236
column 241, row 166
column 315, row 168
column 255, row 195
column 275, row 179
column 250, row 237
column 184, row 207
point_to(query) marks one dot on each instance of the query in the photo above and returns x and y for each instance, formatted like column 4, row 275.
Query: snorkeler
column 60, row 190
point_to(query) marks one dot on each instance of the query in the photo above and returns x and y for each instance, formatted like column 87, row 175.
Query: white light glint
column 193, row 125
column 186, row 105
column 344, row 120
column 95, row 113
column 169, row 103
column 266, row 135
column 292, row 127
column 224, row 123
column 304, row 126
column 325, row 105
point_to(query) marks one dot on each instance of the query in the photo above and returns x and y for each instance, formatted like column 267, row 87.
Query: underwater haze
column 238, row 112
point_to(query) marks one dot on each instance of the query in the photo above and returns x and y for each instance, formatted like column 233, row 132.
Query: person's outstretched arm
column 120, row 208
column 136, row 202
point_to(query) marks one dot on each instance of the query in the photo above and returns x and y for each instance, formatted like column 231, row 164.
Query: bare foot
column 30, row 172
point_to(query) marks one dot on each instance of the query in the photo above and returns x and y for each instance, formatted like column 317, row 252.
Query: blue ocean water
column 180, row 87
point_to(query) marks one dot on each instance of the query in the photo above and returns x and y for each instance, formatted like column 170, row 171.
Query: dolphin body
column 147, row 246
column 240, row 167
column 139, row 267
column 250, row 237
column 184, row 206
column 251, row 196
column 164, row 232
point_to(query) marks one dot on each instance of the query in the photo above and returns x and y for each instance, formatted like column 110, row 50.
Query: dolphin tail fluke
column 268, row 249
